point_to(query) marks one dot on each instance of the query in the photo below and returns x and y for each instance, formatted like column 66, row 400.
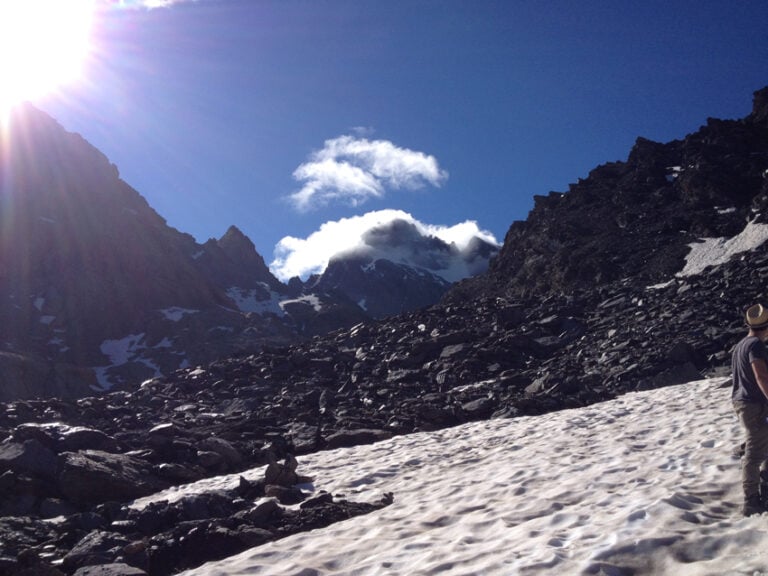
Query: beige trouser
column 753, row 420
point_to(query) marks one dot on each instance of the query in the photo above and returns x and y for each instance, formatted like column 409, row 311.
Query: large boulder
column 30, row 457
column 115, row 569
column 97, row 547
column 91, row 477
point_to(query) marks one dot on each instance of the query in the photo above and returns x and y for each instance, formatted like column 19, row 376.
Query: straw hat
column 757, row 316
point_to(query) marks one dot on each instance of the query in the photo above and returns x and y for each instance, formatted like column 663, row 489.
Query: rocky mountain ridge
column 398, row 268
column 637, row 218
column 494, row 347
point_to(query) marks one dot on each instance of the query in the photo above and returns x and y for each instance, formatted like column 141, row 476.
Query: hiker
column 750, row 401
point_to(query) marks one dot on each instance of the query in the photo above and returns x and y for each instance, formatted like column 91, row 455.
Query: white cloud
column 144, row 3
column 363, row 131
column 305, row 256
column 354, row 170
column 460, row 234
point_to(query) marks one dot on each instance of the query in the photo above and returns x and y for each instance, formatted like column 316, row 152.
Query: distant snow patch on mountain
column 452, row 252
column 309, row 300
column 716, row 251
column 174, row 314
column 252, row 300
column 121, row 351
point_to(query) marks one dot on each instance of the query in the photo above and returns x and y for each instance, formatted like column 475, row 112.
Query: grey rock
column 91, row 477
column 115, row 569
column 30, row 457
column 354, row 437
column 97, row 547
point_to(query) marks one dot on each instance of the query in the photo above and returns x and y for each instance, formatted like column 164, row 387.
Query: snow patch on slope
column 252, row 300
column 121, row 351
column 310, row 300
column 175, row 313
column 716, row 251
column 645, row 483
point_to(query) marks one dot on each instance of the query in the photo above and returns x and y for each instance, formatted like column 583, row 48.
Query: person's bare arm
column 760, row 370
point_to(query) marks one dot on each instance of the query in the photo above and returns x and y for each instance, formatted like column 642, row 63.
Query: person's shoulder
column 749, row 345
column 757, row 345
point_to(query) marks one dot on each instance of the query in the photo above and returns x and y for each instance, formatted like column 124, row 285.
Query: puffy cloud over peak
column 354, row 169
column 449, row 251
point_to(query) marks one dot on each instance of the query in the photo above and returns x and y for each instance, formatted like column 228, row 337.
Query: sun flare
column 43, row 44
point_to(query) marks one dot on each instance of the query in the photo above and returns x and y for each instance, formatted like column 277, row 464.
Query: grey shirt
column 745, row 388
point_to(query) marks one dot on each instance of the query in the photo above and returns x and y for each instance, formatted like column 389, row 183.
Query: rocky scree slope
column 85, row 460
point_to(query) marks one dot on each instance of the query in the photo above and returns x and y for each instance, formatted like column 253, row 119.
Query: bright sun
column 43, row 44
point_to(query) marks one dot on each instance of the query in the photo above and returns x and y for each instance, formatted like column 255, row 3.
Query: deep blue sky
column 208, row 107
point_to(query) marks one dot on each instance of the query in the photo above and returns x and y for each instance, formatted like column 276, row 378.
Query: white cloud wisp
column 392, row 234
column 354, row 170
